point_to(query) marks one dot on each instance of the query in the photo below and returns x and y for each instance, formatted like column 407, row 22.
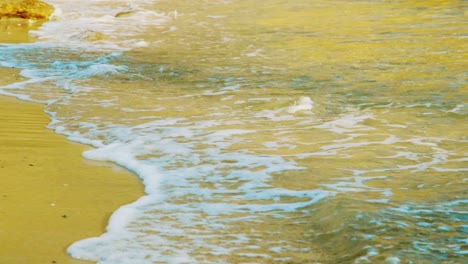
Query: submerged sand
column 50, row 196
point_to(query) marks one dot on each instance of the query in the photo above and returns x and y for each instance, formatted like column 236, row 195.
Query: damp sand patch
column 50, row 196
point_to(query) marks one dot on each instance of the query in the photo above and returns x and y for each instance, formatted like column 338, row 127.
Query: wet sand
column 50, row 196
column 15, row 30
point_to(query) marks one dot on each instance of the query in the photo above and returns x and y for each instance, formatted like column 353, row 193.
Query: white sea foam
column 104, row 25
column 392, row 260
column 458, row 109
column 206, row 164
column 303, row 104
column 209, row 175
column 347, row 123
column 357, row 184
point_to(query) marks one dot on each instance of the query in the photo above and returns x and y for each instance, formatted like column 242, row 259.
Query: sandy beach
column 50, row 196
column 235, row 132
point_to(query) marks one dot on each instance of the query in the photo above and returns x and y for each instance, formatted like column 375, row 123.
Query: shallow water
column 274, row 132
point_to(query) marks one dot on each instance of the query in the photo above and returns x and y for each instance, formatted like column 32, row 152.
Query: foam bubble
column 303, row 104
column 392, row 260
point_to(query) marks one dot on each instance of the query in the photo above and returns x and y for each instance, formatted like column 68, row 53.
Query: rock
column 28, row 9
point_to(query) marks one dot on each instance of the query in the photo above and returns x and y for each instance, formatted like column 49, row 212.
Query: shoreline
column 51, row 196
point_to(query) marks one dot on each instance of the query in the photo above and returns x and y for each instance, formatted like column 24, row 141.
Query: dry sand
column 50, row 196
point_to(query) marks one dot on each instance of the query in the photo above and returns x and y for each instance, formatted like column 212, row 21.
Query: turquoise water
column 273, row 132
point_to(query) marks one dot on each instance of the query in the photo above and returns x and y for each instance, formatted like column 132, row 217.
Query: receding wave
column 261, row 140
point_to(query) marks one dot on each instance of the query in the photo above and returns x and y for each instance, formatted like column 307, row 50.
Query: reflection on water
column 275, row 132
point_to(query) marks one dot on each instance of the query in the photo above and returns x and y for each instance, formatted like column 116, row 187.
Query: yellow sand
column 49, row 195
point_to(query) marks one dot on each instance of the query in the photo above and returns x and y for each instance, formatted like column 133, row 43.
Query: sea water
column 264, row 131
